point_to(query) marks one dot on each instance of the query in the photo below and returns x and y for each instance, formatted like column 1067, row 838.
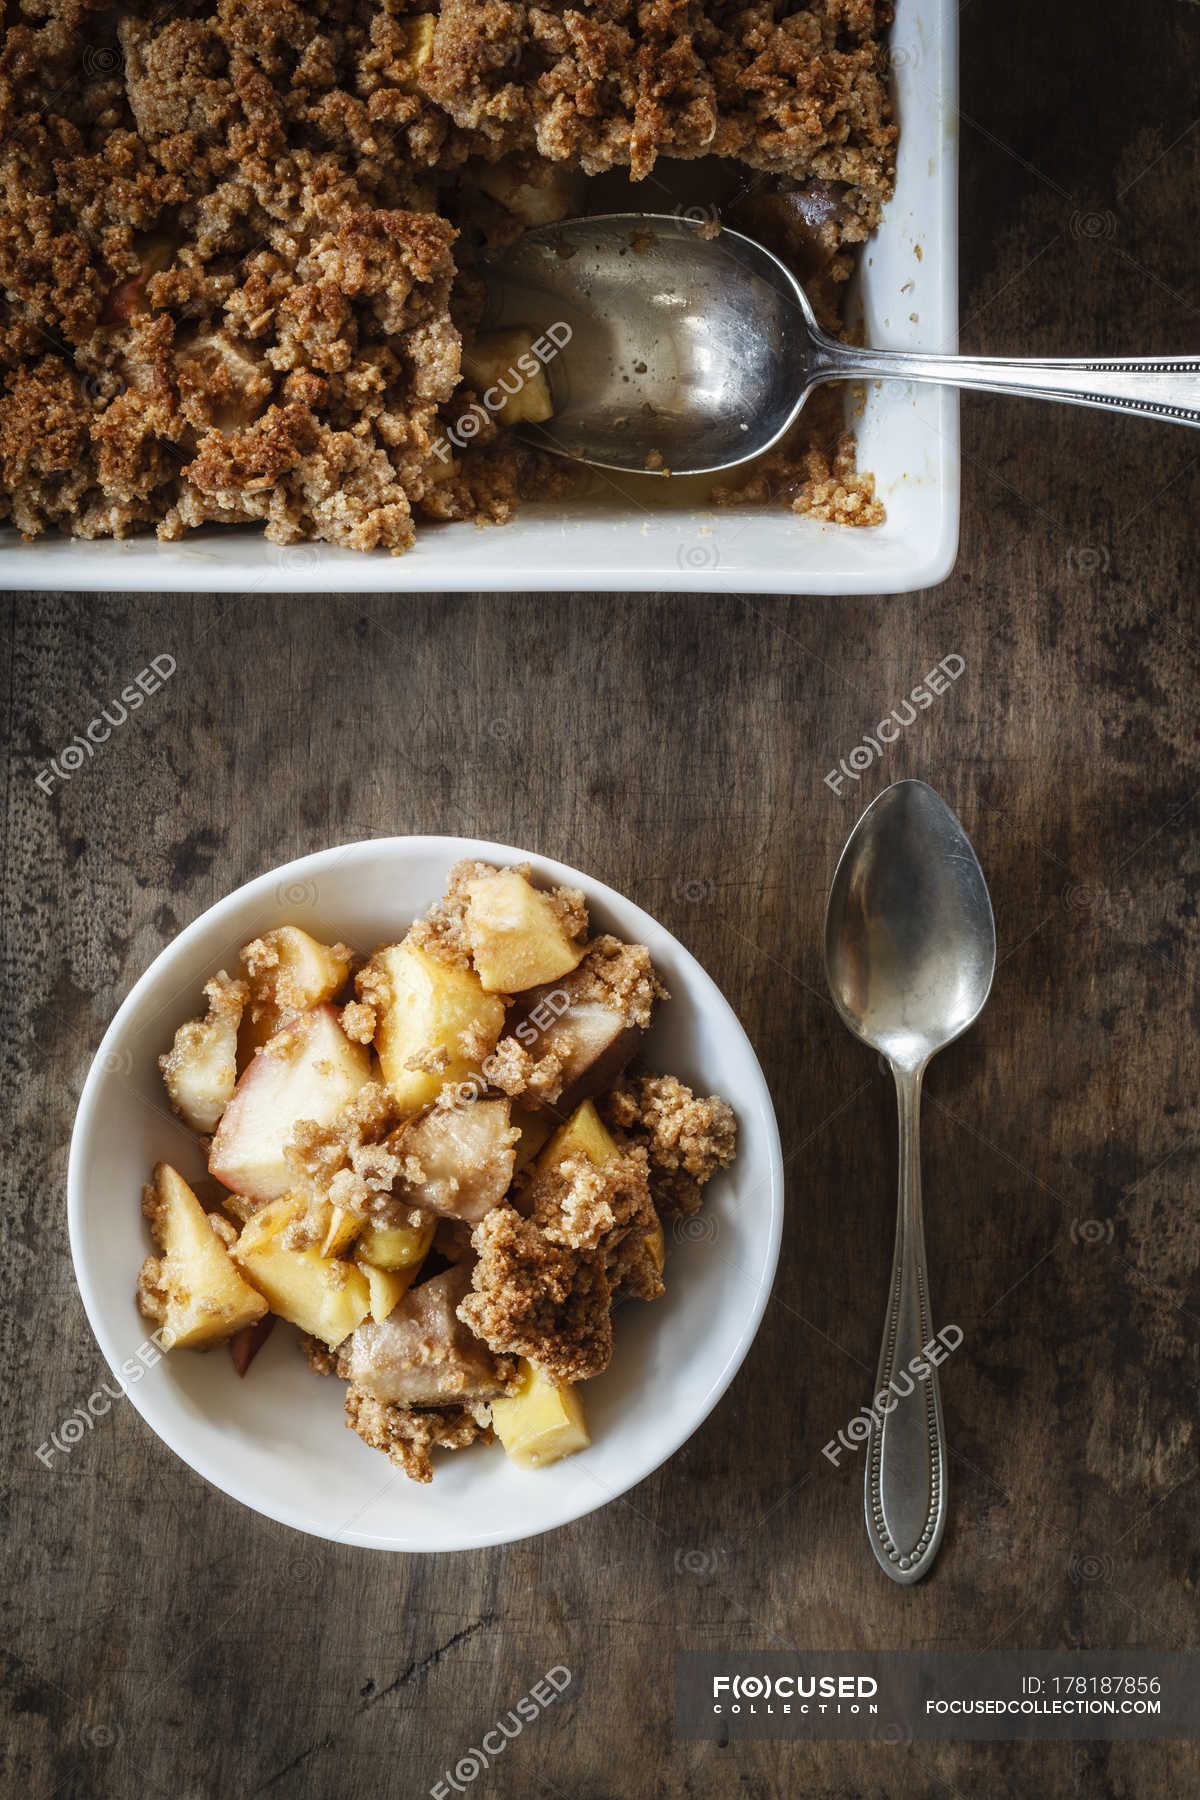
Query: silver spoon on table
column 910, row 951
column 701, row 351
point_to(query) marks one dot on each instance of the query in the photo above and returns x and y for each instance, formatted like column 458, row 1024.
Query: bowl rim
column 158, row 1413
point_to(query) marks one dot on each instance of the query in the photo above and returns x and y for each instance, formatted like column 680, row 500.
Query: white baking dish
column 907, row 435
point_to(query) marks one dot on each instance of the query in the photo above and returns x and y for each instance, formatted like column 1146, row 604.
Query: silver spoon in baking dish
column 910, row 951
column 687, row 355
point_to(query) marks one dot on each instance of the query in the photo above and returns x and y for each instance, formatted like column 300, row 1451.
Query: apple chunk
column 422, row 1354
column 590, row 1030
column 539, row 1422
column 200, row 1069
column 516, row 934
column 466, row 1156
column 436, row 1024
column 288, row 971
column 195, row 1290
column 322, row 1295
column 309, row 1070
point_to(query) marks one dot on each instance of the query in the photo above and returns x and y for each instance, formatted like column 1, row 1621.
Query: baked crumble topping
column 236, row 241
column 686, row 1139
column 537, row 1298
column 406, row 1434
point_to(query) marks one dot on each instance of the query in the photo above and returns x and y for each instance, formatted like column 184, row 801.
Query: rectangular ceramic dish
column 907, row 297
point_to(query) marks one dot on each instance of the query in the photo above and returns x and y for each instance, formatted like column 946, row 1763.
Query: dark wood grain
column 157, row 1639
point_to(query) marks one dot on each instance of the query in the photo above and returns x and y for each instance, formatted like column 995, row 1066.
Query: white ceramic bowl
column 277, row 1440
column 907, row 297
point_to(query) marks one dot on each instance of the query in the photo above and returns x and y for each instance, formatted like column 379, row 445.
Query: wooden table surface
column 677, row 749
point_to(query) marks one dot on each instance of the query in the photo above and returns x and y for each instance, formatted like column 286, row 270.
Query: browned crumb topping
column 539, row 1299
column 232, row 292
column 359, row 1021
column 633, row 1268
column 813, row 473
column 621, row 976
column 605, row 1207
column 406, row 1434
column 515, row 1070
column 686, row 1139
column 354, row 1162
column 620, row 82
column 319, row 1357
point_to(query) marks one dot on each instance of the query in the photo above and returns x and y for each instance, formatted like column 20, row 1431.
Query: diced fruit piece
column 293, row 969
column 341, row 1231
column 535, row 1128
column 592, row 1038
column 320, row 1294
column 309, row 1070
column 422, row 1354
column 195, row 1291
column 128, row 298
column 418, row 32
column 538, row 196
column 246, row 1344
column 541, row 1421
column 656, row 1244
column 289, row 972
column 516, row 936
column 425, row 1005
column 503, row 368
column 584, row 1134
column 200, row 1069
column 466, row 1155
column 396, row 1246
column 387, row 1287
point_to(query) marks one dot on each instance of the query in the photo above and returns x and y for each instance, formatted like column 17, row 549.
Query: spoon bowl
column 910, row 943
column 689, row 350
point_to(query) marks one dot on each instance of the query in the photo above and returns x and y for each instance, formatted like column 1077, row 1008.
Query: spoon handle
column 906, row 1444
column 1157, row 387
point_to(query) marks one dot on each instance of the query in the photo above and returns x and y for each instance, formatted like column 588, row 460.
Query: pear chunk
column 466, row 1156
column 422, row 1354
column 195, row 1290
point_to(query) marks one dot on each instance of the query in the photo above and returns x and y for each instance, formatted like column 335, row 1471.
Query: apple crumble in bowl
column 491, row 1181
column 237, row 241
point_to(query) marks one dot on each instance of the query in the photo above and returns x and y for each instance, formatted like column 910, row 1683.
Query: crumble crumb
column 355, row 1162
column 319, row 1357
column 617, row 975
column 359, row 1021
column 407, row 1434
column 686, row 1139
column 516, row 1071
column 532, row 1297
